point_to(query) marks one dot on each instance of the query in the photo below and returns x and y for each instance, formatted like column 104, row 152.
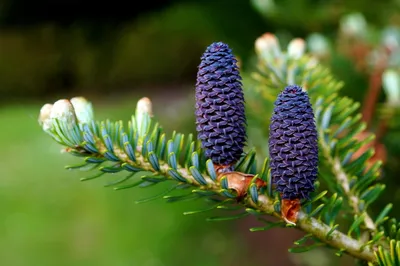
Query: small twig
column 375, row 85
column 381, row 129
column 374, row 88
column 343, row 180
column 336, row 239
column 320, row 230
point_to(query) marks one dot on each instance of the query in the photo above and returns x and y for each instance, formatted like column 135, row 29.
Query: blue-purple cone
column 293, row 144
column 220, row 112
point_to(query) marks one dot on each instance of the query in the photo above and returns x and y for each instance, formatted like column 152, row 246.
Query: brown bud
column 240, row 182
column 289, row 210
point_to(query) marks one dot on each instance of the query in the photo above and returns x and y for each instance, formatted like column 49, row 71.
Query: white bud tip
column 83, row 109
column 354, row 25
column 267, row 44
column 44, row 116
column 296, row 48
column 391, row 38
column 45, row 112
column 78, row 100
column 63, row 111
column 391, row 85
column 318, row 44
column 144, row 105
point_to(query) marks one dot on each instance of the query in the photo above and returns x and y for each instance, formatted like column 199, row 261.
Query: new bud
column 83, row 109
column 296, row 48
column 63, row 111
column 44, row 117
column 143, row 113
column 267, row 46
column 354, row 25
column 391, row 85
column 144, row 106
column 391, row 38
column 318, row 45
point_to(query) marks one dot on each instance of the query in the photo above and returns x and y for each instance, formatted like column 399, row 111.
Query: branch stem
column 343, row 180
column 353, row 199
column 320, row 230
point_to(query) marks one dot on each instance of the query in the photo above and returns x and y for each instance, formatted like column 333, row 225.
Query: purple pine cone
column 293, row 144
column 220, row 112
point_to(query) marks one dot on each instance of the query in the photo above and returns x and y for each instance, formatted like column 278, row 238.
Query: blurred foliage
column 158, row 47
column 118, row 51
column 303, row 16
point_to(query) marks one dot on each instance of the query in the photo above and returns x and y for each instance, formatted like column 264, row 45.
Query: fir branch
column 104, row 149
column 353, row 199
column 265, row 205
column 320, row 230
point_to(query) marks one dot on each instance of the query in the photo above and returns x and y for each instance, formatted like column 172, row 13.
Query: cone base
column 289, row 210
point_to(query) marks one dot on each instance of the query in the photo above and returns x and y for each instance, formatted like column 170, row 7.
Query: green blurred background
column 113, row 54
